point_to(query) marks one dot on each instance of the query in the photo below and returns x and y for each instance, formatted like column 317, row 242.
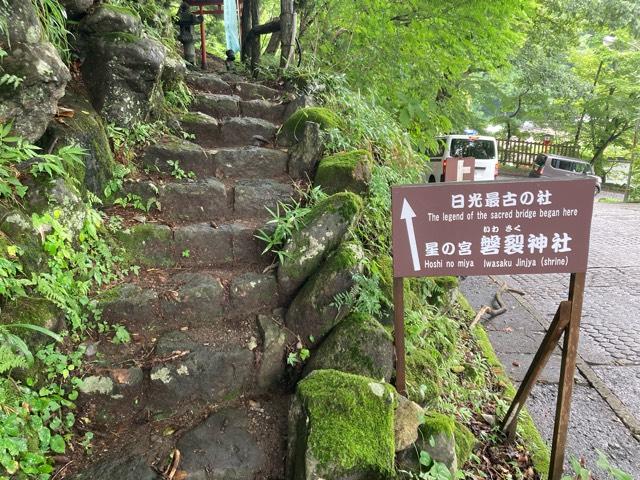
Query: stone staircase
column 205, row 372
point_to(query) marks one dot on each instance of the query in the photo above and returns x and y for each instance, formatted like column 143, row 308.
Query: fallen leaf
column 65, row 112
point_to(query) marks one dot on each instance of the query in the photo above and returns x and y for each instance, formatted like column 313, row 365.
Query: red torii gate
column 218, row 9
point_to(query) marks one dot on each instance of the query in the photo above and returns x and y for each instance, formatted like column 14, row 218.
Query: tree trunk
column 288, row 32
column 245, row 28
column 584, row 110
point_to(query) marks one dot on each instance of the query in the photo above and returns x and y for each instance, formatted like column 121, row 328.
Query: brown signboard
column 460, row 169
column 485, row 228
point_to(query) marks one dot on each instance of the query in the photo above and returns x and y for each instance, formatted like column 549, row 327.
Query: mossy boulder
column 323, row 231
column 341, row 426
column 34, row 311
column 87, row 130
column 109, row 18
column 305, row 155
column 293, row 127
column 30, row 106
column 174, row 71
column 59, row 198
column 358, row 345
column 122, row 70
column 345, row 171
column 313, row 311
column 16, row 229
column 444, row 439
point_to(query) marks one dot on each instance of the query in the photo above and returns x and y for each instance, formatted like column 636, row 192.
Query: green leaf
column 58, row 444
column 44, row 434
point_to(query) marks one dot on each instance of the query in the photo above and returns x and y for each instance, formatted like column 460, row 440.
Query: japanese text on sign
column 492, row 228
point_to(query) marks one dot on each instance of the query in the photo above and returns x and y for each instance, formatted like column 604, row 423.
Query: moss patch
column 345, row 171
column 322, row 232
column 147, row 245
column 293, row 127
column 34, row 311
column 436, row 423
column 350, row 427
column 347, row 204
column 465, row 441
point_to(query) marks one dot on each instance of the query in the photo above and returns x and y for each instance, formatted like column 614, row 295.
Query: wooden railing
column 519, row 152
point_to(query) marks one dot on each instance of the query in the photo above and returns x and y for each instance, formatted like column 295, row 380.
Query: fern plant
column 14, row 352
column 61, row 164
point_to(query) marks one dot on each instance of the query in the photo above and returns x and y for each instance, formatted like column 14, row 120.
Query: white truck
column 483, row 149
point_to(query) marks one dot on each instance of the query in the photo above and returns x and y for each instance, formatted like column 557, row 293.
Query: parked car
column 483, row 149
column 550, row 165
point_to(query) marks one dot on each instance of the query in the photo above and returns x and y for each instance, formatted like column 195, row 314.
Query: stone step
column 227, row 444
column 255, row 91
column 208, row 82
column 212, row 83
column 195, row 245
column 221, row 106
column 189, row 368
column 214, row 300
column 210, row 200
column 234, row 162
column 228, row 132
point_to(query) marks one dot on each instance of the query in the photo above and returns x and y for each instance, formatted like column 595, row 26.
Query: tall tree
column 414, row 55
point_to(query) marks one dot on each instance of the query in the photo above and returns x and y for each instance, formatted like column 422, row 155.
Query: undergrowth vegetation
column 70, row 256
column 55, row 255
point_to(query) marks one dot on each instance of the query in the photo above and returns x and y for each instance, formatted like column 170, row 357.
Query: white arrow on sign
column 408, row 215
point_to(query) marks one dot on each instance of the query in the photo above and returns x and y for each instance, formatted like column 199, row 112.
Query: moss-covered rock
column 313, row 312
column 446, row 441
column 174, row 71
column 58, row 198
column 358, row 345
column 30, row 106
column 122, row 91
column 345, row 171
column 324, row 228
column 437, row 438
column 109, row 18
column 148, row 244
column 87, row 130
column 35, row 311
column 17, row 229
column 305, row 155
column 341, row 426
column 465, row 442
column 292, row 128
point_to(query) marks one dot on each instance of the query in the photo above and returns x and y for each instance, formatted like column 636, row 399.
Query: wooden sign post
column 498, row 228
